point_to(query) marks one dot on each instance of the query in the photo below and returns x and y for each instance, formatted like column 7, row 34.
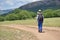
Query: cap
column 39, row 10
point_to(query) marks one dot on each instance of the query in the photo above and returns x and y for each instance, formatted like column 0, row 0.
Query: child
column 40, row 20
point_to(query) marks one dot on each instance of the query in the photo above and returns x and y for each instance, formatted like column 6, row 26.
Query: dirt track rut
column 49, row 33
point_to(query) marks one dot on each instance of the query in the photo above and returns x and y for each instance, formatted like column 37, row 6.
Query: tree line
column 49, row 13
column 19, row 14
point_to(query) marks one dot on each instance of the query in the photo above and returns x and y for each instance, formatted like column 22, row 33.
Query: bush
column 20, row 15
column 56, row 13
column 25, row 14
column 11, row 17
column 49, row 13
column 1, row 18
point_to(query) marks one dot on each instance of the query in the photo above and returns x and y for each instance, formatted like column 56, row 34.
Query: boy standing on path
column 40, row 20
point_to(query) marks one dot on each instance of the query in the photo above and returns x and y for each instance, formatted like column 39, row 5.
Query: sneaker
column 39, row 31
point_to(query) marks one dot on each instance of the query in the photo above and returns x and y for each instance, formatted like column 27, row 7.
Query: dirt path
column 49, row 33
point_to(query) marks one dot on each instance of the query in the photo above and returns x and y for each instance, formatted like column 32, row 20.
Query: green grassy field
column 49, row 22
column 7, row 33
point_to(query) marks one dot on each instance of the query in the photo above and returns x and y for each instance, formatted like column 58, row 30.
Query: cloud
column 1, row 3
column 25, row 0
column 6, row 4
column 34, row 0
column 1, row 8
column 10, row 2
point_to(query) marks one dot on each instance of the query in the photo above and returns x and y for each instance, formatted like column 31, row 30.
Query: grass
column 7, row 33
column 51, row 22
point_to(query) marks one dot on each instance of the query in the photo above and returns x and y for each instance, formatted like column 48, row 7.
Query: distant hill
column 35, row 6
column 5, row 11
column 54, row 4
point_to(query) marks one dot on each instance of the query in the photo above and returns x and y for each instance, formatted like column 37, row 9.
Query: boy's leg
column 40, row 27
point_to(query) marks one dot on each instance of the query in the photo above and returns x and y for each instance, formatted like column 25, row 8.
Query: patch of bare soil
column 49, row 33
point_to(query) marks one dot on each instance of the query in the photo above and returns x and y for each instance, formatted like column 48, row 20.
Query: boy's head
column 39, row 12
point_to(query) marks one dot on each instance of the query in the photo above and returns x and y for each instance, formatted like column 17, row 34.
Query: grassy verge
column 7, row 33
column 54, row 22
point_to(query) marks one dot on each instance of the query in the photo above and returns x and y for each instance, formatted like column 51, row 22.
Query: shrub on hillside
column 1, row 18
column 20, row 15
column 11, row 17
column 56, row 13
column 49, row 13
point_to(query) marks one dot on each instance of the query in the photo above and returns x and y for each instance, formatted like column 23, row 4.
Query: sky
column 11, row 4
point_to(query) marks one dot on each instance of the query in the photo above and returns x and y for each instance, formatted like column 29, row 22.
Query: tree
column 56, row 13
column 11, row 17
column 1, row 18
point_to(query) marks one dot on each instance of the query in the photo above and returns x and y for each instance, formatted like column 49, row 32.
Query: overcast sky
column 9, row 4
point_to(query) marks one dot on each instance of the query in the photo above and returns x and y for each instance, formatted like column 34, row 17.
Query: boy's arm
column 37, row 17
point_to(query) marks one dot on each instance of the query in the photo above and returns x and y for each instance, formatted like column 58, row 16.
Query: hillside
column 54, row 4
column 34, row 6
column 5, row 11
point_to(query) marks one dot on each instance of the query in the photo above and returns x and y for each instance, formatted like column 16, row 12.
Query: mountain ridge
column 47, row 4
column 5, row 11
